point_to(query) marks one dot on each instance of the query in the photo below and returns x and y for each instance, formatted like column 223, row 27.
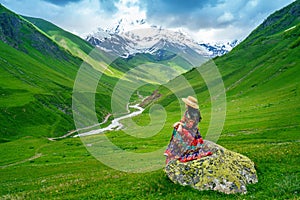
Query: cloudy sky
column 205, row 20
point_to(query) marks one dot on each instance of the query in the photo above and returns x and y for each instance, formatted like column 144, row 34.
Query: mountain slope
column 36, row 80
column 38, row 69
column 61, row 36
column 23, row 36
column 75, row 45
column 81, row 48
column 152, row 39
column 261, row 77
column 278, row 22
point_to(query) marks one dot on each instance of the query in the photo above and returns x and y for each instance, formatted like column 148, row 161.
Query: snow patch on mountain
column 138, row 37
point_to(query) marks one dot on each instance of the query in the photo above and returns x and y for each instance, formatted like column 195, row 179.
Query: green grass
column 67, row 170
column 59, row 34
column 73, row 44
column 37, row 79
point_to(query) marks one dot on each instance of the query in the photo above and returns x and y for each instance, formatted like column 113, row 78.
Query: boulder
column 225, row 171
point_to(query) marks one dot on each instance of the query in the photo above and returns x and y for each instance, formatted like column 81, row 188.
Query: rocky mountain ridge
column 145, row 39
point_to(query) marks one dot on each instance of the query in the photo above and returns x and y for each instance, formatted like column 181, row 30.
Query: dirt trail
column 22, row 161
column 233, row 85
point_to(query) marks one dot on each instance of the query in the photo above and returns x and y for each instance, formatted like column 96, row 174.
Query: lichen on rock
column 225, row 171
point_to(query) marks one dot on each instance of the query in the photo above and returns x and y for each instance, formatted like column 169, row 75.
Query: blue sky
column 204, row 20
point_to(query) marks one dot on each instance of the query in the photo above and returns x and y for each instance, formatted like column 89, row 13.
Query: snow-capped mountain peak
column 131, row 37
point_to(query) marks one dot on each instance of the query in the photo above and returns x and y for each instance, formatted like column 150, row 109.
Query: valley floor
column 36, row 168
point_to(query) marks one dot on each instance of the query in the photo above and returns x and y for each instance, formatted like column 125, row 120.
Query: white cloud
column 83, row 17
column 225, row 18
column 205, row 19
column 252, row 3
column 220, row 34
column 129, row 9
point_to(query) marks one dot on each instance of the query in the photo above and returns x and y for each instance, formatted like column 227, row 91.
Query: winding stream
column 115, row 123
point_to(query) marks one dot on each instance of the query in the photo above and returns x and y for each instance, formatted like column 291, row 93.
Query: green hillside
column 73, row 44
column 262, row 120
column 261, row 76
column 61, row 36
column 81, row 48
column 280, row 21
column 37, row 78
column 39, row 63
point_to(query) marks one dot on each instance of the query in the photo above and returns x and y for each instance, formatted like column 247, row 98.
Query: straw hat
column 191, row 101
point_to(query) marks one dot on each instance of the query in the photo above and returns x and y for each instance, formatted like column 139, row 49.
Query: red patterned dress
column 186, row 142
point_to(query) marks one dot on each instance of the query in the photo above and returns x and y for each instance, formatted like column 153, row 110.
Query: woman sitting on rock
column 186, row 142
